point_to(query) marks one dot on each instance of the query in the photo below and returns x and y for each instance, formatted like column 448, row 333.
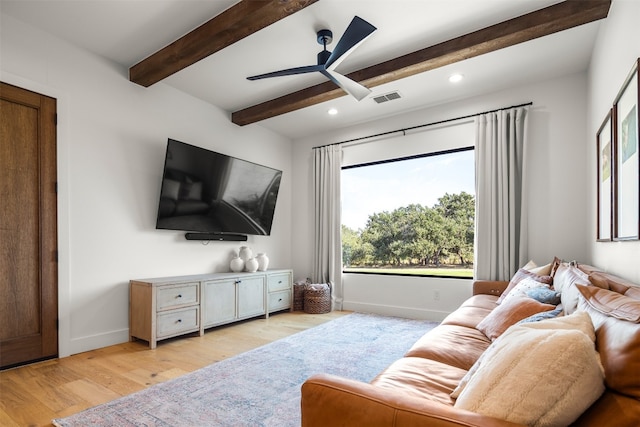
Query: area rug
column 262, row 387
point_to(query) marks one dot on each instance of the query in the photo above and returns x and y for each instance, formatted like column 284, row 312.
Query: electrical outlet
column 436, row 295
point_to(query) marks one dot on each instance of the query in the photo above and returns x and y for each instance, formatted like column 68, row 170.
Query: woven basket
column 317, row 298
column 298, row 295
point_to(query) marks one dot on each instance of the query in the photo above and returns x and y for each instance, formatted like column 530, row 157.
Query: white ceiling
column 127, row 31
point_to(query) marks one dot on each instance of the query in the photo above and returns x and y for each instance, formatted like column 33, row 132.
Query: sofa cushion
column 422, row 378
column 536, row 376
column 611, row 409
column 519, row 276
column 615, row 319
column 509, row 313
column 481, row 301
column 598, row 280
column 468, row 316
column 453, row 345
column 564, row 282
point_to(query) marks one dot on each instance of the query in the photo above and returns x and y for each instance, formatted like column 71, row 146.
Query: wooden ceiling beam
column 543, row 22
column 239, row 21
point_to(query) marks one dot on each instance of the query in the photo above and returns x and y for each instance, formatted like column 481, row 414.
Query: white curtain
column 501, row 211
column 327, row 262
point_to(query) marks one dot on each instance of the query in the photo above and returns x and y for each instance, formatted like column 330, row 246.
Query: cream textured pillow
column 537, row 377
column 579, row 321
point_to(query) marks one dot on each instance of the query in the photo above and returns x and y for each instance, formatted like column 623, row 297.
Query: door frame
column 62, row 160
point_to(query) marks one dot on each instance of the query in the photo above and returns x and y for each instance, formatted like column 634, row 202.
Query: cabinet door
column 219, row 302
column 251, row 297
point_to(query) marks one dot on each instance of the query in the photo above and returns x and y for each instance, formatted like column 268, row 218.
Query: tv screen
column 205, row 191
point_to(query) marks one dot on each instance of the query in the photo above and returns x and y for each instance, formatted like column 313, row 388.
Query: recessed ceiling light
column 332, row 111
column 455, row 78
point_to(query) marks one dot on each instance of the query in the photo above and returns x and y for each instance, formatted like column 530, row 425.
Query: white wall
column 111, row 142
column 557, row 195
column 616, row 50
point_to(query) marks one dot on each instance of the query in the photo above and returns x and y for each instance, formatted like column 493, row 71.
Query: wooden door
column 28, row 227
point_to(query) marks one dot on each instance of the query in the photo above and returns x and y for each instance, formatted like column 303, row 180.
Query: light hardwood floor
column 35, row 394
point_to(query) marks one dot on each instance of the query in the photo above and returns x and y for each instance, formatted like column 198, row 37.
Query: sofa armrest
column 489, row 287
column 329, row 400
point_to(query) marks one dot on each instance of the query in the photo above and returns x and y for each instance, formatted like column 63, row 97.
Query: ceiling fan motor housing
column 325, row 37
column 323, row 57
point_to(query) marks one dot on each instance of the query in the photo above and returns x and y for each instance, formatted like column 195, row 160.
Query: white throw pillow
column 537, row 376
column 565, row 281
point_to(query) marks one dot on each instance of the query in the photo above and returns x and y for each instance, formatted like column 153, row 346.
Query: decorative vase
column 263, row 262
column 251, row 265
column 237, row 264
column 245, row 253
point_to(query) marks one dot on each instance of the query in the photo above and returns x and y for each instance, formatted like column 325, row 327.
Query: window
column 410, row 216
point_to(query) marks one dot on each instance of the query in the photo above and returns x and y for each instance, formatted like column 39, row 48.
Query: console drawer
column 279, row 300
column 169, row 297
column 176, row 322
column 278, row 282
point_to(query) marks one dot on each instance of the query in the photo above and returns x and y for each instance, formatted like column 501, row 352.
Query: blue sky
column 385, row 187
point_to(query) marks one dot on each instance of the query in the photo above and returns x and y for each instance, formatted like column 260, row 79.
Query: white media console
column 166, row 307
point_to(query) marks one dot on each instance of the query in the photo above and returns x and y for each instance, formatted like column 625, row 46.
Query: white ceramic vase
column 237, row 264
column 245, row 253
column 251, row 265
column 263, row 261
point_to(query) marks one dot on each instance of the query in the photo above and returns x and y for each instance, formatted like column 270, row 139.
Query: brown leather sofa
column 416, row 389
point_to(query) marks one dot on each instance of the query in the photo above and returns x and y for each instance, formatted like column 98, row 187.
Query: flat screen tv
column 208, row 192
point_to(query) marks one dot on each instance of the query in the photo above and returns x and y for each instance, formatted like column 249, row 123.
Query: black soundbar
column 216, row 236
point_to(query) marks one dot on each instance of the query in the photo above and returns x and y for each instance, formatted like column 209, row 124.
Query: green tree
column 415, row 235
column 458, row 212
column 350, row 244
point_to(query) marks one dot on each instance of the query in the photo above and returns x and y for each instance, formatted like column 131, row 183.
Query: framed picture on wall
column 627, row 161
column 604, row 143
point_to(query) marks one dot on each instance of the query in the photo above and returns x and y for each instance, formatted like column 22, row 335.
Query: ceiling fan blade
column 289, row 72
column 356, row 33
column 352, row 87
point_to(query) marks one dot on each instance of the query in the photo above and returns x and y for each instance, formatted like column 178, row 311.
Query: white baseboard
column 92, row 342
column 388, row 310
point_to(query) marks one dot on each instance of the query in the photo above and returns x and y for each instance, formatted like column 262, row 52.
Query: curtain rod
column 404, row 130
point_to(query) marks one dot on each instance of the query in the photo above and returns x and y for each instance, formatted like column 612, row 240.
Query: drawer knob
column 279, row 299
column 179, row 321
column 279, row 281
column 179, row 296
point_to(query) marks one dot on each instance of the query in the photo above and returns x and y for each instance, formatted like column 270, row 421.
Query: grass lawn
column 417, row 271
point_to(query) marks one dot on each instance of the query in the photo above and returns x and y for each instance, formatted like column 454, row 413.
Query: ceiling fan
column 356, row 33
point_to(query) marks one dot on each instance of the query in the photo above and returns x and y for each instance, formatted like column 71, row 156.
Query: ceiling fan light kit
column 356, row 33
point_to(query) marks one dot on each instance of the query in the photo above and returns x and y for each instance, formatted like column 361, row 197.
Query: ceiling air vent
column 387, row 97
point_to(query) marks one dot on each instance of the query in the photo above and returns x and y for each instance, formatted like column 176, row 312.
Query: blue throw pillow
column 541, row 316
column 544, row 295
